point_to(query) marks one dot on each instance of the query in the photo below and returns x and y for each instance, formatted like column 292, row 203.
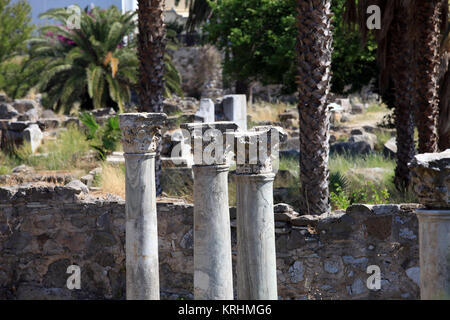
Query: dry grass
column 112, row 180
column 264, row 111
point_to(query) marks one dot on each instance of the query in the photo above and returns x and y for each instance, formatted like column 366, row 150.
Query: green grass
column 353, row 184
column 376, row 107
column 63, row 154
column 382, row 137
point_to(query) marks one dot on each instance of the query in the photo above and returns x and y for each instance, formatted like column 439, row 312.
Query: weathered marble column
column 140, row 137
column 431, row 181
column 213, row 275
column 256, row 256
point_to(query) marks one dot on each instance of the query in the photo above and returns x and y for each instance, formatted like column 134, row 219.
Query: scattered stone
column 25, row 105
column 206, row 112
column 352, row 148
column 33, row 135
column 78, row 186
column 171, row 107
column 87, row 180
column 414, row 274
column 7, row 111
column 357, row 132
column 368, row 138
column 48, row 114
column 104, row 112
column 390, row 148
column 31, row 115
column 358, row 108
column 235, row 109
column 282, row 208
column 345, row 117
column 431, row 179
column 3, row 97
column 23, row 169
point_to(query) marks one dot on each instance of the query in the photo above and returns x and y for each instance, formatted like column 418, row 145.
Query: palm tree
column 401, row 56
column 314, row 47
column 151, row 50
column 444, row 96
column 427, row 20
column 89, row 67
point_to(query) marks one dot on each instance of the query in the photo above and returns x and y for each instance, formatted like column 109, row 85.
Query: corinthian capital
column 141, row 132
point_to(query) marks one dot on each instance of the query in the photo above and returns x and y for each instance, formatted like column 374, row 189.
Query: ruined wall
column 44, row 229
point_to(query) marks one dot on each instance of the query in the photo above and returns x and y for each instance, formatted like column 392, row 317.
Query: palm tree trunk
column 400, row 55
column 444, row 116
column 429, row 15
column 314, row 47
column 151, row 47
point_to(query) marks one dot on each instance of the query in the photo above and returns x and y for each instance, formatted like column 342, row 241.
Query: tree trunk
column 400, row 55
column 444, row 116
column 151, row 47
column 314, row 48
column 429, row 14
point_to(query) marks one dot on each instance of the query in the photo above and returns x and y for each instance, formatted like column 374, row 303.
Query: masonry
column 46, row 228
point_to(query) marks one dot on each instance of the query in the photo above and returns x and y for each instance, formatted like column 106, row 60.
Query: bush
column 105, row 138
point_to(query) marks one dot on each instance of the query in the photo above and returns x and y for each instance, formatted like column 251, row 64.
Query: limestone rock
column 33, row 135
column 3, row 97
column 431, row 179
column 7, row 111
column 352, row 148
column 48, row 114
column 390, row 148
column 358, row 108
column 368, row 138
column 78, row 186
column 25, row 105
column 23, row 169
column 206, row 112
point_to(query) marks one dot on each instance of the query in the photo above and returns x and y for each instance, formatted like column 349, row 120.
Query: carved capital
column 208, row 140
column 141, row 132
column 256, row 150
column 431, row 179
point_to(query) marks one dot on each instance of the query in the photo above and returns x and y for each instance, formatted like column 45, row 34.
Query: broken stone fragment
column 78, row 186
column 431, row 179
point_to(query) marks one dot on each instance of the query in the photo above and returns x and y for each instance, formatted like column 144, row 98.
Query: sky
column 40, row 6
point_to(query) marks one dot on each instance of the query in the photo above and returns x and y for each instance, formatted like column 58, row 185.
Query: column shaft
column 256, row 261
column 142, row 274
column 213, row 278
column 434, row 249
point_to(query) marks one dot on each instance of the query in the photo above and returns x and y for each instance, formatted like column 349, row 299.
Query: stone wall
column 44, row 229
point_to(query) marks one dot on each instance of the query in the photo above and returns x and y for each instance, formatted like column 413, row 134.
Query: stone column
column 256, row 256
column 140, row 137
column 213, row 274
column 431, row 181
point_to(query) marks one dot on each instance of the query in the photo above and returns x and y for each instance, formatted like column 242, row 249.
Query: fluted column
column 431, row 181
column 213, row 275
column 256, row 255
column 140, row 137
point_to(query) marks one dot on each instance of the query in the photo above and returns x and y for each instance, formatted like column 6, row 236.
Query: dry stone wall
column 44, row 229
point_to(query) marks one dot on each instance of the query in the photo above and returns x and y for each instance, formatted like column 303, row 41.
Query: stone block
column 33, row 135
column 7, row 111
column 235, row 109
column 206, row 111
column 431, row 179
